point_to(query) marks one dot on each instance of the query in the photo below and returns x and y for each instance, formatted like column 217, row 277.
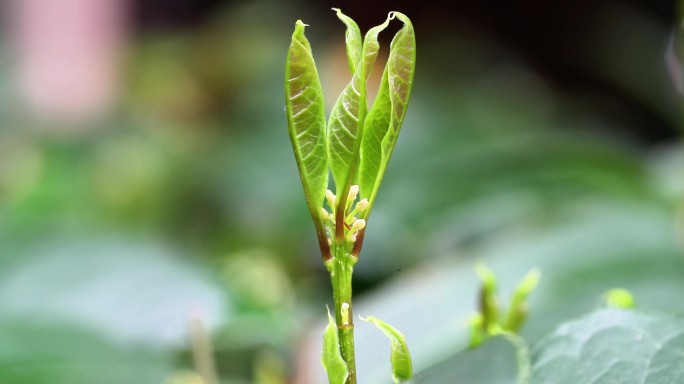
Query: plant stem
column 202, row 349
column 341, row 267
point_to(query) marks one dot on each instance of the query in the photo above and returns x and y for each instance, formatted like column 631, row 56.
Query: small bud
column 324, row 214
column 330, row 197
column 358, row 225
column 351, row 237
column 353, row 192
column 619, row 298
column 362, row 205
column 344, row 313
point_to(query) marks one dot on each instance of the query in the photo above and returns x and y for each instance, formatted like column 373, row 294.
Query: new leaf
column 306, row 123
column 400, row 357
column 345, row 127
column 385, row 118
column 352, row 39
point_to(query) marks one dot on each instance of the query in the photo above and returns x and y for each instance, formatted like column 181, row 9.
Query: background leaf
column 34, row 353
column 494, row 362
column 613, row 346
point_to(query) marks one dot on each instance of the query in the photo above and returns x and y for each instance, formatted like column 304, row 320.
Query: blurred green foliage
column 186, row 202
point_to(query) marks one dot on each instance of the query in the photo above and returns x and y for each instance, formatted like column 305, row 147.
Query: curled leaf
column 400, row 357
column 352, row 39
column 386, row 116
column 345, row 126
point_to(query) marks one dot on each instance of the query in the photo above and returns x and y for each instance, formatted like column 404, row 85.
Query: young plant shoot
column 354, row 146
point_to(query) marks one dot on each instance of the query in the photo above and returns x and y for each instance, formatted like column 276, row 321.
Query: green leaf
column 306, row 120
column 613, row 346
column 519, row 307
column 47, row 282
column 331, row 358
column 527, row 285
column 494, row 362
column 34, row 352
column 400, row 357
column 387, row 113
column 345, row 126
column 353, row 40
column 489, row 302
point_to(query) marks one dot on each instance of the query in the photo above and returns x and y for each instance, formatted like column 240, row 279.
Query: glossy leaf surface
column 345, row 126
column 306, row 119
column 385, row 118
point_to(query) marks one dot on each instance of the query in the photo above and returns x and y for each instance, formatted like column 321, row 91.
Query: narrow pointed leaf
column 332, row 360
column 400, row 357
column 345, row 126
column 306, row 120
column 386, row 116
column 353, row 40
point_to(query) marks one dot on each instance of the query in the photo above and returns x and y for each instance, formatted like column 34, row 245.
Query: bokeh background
column 152, row 224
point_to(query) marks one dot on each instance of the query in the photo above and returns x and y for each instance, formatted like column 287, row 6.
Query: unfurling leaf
column 400, row 357
column 352, row 40
column 386, row 116
column 345, row 126
column 306, row 121
column 332, row 360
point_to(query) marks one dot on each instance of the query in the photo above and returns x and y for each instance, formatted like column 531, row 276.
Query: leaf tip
column 486, row 275
column 400, row 16
column 529, row 283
